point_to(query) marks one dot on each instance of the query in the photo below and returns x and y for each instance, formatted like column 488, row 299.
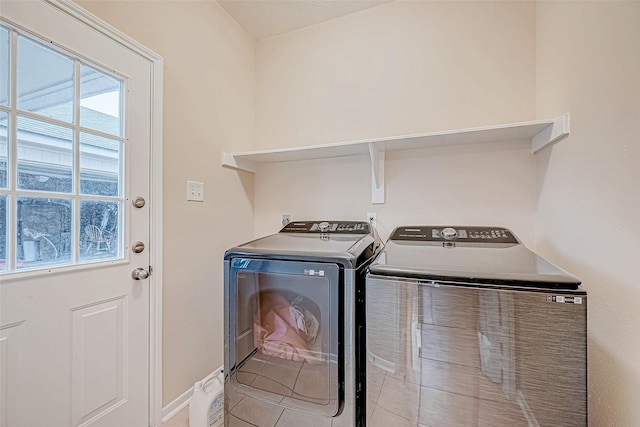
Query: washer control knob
column 449, row 233
column 324, row 226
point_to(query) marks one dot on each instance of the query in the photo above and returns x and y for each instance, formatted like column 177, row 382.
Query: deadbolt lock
column 137, row 247
column 138, row 202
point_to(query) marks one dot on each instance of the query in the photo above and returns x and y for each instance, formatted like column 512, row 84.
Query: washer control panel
column 345, row 227
column 454, row 234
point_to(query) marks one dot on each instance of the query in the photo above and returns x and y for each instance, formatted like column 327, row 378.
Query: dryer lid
column 353, row 241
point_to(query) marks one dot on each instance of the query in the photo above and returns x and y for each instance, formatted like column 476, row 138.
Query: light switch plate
column 195, row 191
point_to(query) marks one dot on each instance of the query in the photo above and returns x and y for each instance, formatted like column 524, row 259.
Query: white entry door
column 75, row 130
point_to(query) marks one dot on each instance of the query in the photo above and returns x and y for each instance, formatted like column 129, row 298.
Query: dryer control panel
column 344, row 227
column 454, row 234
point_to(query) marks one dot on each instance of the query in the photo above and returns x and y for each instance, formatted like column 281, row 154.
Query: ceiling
column 265, row 18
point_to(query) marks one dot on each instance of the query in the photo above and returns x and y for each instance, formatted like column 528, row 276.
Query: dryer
column 294, row 325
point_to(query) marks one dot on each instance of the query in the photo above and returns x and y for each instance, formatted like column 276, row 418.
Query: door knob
column 139, row 274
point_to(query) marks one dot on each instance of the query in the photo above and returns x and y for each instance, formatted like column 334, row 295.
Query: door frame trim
column 155, row 241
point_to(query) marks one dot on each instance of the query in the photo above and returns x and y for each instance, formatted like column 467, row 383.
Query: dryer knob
column 324, row 226
column 449, row 233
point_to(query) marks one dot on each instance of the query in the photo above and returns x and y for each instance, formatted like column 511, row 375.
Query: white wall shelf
column 540, row 132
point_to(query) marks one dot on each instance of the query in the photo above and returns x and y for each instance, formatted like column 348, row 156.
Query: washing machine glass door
column 283, row 325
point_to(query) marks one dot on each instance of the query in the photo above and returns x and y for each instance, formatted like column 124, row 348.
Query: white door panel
column 11, row 347
column 74, row 340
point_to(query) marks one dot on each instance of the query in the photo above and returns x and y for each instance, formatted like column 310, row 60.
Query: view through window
column 61, row 157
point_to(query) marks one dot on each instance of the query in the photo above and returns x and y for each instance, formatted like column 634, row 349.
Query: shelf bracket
column 557, row 130
column 377, row 173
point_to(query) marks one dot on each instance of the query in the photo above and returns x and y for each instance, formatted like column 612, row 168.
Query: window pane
column 99, row 165
column 44, row 231
column 99, row 101
column 4, row 149
column 3, row 232
column 99, row 229
column 4, row 66
column 45, row 156
column 45, row 81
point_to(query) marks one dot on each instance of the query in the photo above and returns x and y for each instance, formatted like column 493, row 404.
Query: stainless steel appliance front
column 451, row 355
column 473, row 329
column 286, row 333
column 294, row 310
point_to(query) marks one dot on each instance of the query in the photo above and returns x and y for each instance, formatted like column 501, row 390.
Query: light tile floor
column 181, row 419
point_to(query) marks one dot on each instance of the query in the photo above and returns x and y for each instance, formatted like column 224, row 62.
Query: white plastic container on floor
column 206, row 408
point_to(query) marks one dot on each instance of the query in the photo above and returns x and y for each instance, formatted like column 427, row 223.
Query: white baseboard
column 177, row 405
column 181, row 401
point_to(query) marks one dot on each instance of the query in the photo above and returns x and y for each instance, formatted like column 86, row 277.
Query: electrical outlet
column 371, row 217
column 286, row 219
column 195, row 191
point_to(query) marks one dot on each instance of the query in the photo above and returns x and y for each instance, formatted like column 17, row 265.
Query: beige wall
column 588, row 63
column 208, row 108
column 401, row 68
column 404, row 67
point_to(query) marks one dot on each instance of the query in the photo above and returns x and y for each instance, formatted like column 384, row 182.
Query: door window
column 61, row 157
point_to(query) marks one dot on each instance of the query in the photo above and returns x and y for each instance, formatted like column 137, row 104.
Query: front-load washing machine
column 294, row 312
column 468, row 327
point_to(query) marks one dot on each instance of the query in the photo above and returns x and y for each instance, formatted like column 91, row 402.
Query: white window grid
column 12, row 193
